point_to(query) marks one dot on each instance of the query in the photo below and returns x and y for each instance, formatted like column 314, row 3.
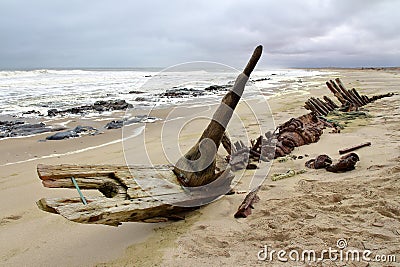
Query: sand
column 308, row 211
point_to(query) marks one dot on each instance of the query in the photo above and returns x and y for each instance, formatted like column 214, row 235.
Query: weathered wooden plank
column 134, row 193
column 108, row 211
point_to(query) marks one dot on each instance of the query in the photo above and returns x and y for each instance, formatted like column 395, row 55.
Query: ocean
column 44, row 89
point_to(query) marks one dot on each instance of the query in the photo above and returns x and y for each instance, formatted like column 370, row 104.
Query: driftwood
column 349, row 149
column 245, row 208
column 150, row 193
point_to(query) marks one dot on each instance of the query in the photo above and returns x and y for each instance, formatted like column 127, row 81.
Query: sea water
column 41, row 90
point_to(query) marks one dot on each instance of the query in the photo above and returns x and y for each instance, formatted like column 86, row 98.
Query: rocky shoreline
column 19, row 127
column 22, row 128
column 98, row 106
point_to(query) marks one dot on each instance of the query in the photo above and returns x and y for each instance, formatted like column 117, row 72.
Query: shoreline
column 30, row 233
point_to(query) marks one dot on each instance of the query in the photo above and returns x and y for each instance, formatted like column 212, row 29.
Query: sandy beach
column 308, row 211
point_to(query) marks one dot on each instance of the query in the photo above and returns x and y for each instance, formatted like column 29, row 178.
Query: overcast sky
column 122, row 33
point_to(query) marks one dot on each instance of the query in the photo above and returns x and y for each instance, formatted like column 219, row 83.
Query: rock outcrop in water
column 98, row 106
column 213, row 88
column 182, row 92
column 32, row 112
column 21, row 128
column 190, row 92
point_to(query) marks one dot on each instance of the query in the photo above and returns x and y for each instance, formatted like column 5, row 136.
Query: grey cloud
column 120, row 33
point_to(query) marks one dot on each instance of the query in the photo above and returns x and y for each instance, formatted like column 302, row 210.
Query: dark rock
column 85, row 129
column 73, row 133
column 218, row 87
column 113, row 104
column 116, row 124
column 10, row 123
column 20, row 128
column 136, row 92
column 52, row 112
column 182, row 92
column 62, row 135
column 140, row 99
column 36, row 112
column 261, row 79
column 98, row 106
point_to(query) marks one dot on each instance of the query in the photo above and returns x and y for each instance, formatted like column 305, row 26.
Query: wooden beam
column 197, row 166
column 349, row 149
